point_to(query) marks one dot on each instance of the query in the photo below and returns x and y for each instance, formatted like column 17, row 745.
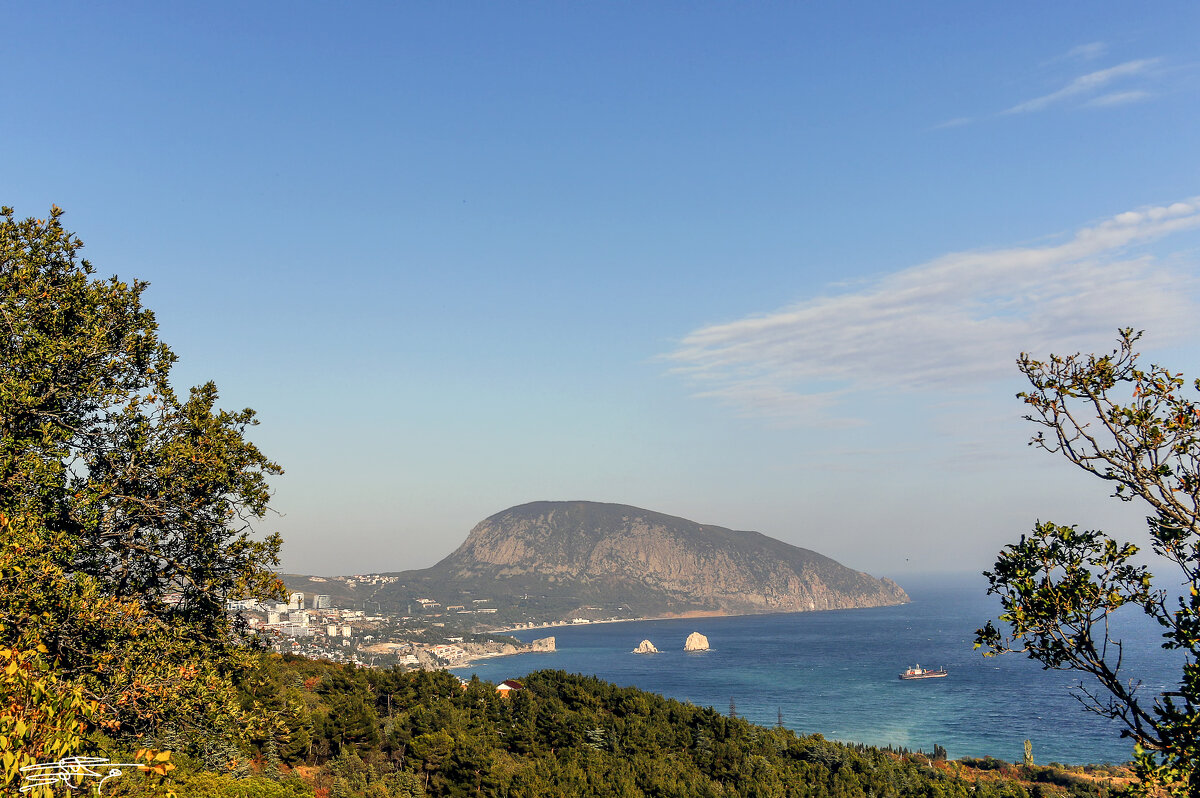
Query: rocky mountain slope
column 587, row 554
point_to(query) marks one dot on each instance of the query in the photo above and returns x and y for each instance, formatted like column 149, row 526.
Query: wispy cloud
column 1086, row 52
column 1085, row 85
column 1118, row 98
column 957, row 321
column 957, row 122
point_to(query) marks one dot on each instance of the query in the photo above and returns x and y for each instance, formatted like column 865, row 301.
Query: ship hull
column 922, row 673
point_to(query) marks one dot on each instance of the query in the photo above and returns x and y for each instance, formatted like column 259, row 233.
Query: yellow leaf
column 162, row 756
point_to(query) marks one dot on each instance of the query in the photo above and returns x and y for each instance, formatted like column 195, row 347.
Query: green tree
column 432, row 750
column 1059, row 587
column 136, row 504
column 39, row 714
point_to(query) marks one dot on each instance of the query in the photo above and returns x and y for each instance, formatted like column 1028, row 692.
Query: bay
column 835, row 673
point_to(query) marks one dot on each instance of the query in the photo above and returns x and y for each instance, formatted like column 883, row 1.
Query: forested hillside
column 342, row 731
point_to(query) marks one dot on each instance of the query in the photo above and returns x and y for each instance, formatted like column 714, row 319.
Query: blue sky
column 760, row 265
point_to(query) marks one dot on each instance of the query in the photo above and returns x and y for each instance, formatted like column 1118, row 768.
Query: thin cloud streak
column 955, row 322
column 1087, row 52
column 1079, row 89
column 957, row 122
column 1085, row 84
column 1118, row 98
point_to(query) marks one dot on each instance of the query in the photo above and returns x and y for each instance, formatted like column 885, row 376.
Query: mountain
column 611, row 558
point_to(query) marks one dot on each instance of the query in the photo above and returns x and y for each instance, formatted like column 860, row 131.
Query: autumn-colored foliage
column 42, row 718
column 126, row 513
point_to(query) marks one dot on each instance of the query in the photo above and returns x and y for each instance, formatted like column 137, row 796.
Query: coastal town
column 434, row 637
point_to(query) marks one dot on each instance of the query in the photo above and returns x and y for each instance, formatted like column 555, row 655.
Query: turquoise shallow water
column 835, row 673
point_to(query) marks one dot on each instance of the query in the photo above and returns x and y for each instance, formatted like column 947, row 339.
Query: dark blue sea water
column 835, row 673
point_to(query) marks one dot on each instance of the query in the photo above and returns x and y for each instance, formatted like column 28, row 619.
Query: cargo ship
column 923, row 673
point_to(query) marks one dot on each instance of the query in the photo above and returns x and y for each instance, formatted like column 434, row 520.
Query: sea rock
column 696, row 642
column 645, row 647
column 542, row 644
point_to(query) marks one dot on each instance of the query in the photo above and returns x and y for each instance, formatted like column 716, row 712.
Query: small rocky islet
column 695, row 642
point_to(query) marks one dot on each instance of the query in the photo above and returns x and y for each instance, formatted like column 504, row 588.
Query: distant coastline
column 698, row 614
column 667, row 617
column 674, row 616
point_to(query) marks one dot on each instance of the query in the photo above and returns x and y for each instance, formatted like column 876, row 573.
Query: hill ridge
column 571, row 555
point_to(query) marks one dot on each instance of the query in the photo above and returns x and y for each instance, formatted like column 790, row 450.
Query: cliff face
column 600, row 550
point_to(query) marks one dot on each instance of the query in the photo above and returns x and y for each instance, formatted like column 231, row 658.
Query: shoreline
column 470, row 661
column 674, row 616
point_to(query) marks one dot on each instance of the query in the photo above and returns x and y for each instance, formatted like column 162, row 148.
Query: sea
column 835, row 673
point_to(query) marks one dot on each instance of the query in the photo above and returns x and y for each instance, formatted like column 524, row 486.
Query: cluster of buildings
column 355, row 580
column 428, row 604
column 299, row 618
column 310, row 625
column 448, row 652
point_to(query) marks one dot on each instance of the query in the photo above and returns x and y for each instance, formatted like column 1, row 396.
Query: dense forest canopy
column 347, row 731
